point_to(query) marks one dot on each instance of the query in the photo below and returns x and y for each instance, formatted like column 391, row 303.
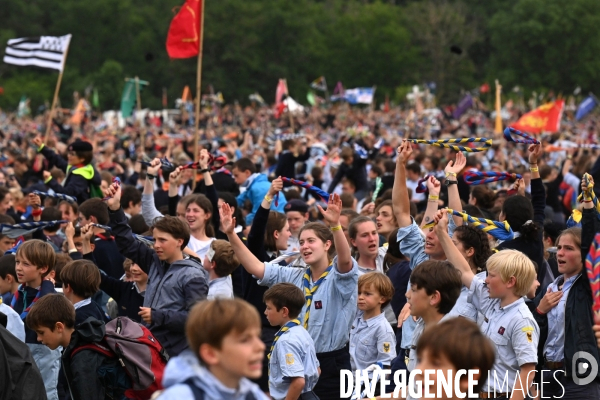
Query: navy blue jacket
column 125, row 294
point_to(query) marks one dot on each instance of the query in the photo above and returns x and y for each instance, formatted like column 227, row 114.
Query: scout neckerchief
column 26, row 309
column 284, row 329
column 308, row 292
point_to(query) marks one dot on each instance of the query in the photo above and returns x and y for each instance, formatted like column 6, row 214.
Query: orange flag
column 184, row 32
column 545, row 118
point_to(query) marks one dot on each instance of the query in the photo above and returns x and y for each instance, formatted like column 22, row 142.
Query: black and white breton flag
column 44, row 51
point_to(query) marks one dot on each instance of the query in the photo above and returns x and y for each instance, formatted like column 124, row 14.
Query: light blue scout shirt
column 221, row 288
column 412, row 354
column 333, row 306
column 412, row 245
column 514, row 333
column 554, row 349
column 294, row 355
column 387, row 310
column 371, row 341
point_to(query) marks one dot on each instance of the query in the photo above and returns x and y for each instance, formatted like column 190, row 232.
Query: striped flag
column 44, row 51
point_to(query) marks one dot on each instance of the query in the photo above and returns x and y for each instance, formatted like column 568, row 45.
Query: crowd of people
column 288, row 250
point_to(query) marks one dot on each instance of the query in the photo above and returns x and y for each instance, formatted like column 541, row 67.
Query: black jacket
column 356, row 172
column 579, row 318
column 125, row 294
column 74, row 184
column 107, row 256
column 286, row 164
column 534, row 249
column 19, row 376
column 90, row 375
column 222, row 181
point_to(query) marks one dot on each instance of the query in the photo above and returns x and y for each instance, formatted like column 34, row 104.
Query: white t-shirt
column 15, row 324
column 199, row 247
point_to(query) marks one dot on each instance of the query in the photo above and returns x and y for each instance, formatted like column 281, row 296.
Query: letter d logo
column 587, row 367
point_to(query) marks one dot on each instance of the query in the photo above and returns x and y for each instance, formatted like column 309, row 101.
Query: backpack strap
column 97, row 347
column 198, row 393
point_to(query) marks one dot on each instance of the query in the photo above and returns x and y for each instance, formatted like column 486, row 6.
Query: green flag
column 95, row 99
column 128, row 99
column 310, row 97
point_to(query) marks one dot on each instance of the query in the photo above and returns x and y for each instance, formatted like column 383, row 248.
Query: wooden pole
column 54, row 100
column 198, row 94
column 498, row 123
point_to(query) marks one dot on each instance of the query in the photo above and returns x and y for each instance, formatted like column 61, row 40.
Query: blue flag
column 359, row 95
column 585, row 107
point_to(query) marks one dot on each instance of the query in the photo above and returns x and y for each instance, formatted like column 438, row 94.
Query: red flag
column 184, row 32
column 545, row 118
column 386, row 106
column 485, row 88
column 281, row 90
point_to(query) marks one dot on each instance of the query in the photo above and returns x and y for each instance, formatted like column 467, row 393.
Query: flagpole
column 56, row 90
column 198, row 96
column 498, row 124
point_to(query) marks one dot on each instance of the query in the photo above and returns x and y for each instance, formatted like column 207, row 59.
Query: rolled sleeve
column 346, row 283
column 275, row 273
column 412, row 244
column 479, row 295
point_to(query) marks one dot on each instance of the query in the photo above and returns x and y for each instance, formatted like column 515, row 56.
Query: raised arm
column 332, row 217
column 211, row 193
column 538, row 192
column 452, row 170
column 256, row 237
column 51, row 156
column 249, row 261
column 452, row 253
column 149, row 210
column 127, row 245
column 433, row 187
column 400, row 201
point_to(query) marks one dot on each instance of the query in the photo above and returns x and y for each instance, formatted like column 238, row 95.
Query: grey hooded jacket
column 172, row 289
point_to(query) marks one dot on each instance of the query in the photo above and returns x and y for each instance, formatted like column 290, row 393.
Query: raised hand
column 113, row 192
column 227, row 219
column 404, row 152
column 456, row 166
column 203, row 158
column 70, row 231
column 441, row 221
column 34, row 201
column 175, row 176
column 334, row 208
column 87, row 231
column 433, row 185
column 154, row 167
column 276, row 187
column 37, row 141
column 535, row 153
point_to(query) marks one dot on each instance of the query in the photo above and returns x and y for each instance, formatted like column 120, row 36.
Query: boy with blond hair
column 225, row 352
column 372, row 339
column 507, row 319
column 220, row 261
column 35, row 259
column 293, row 364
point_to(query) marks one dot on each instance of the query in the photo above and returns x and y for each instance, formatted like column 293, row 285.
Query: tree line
column 248, row 45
